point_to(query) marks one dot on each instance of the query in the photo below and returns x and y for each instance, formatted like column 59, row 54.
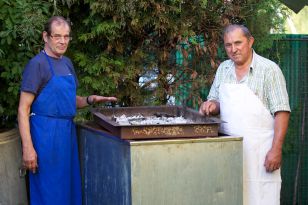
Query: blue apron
column 53, row 132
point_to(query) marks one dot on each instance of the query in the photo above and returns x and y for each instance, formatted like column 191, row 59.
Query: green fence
column 293, row 52
column 190, row 92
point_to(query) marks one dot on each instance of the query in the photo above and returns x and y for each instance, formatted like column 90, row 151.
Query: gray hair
column 58, row 19
column 233, row 27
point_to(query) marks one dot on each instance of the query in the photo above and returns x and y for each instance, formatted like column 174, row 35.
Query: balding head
column 58, row 20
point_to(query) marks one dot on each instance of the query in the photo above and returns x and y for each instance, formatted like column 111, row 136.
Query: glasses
column 59, row 37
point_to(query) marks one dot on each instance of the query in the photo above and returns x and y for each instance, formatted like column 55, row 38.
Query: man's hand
column 85, row 101
column 209, row 107
column 30, row 158
column 99, row 99
column 273, row 160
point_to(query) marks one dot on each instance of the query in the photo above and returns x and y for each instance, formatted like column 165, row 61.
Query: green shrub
column 21, row 23
column 116, row 42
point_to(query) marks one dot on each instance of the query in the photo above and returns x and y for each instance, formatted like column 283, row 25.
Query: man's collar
column 53, row 57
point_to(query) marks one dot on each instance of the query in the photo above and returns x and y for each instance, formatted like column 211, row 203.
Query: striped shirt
column 264, row 78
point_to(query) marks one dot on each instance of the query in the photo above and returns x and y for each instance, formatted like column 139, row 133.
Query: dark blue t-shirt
column 37, row 72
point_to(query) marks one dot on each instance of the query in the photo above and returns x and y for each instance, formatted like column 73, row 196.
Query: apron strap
column 49, row 62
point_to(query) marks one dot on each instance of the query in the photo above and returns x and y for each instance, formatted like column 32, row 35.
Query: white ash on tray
column 150, row 120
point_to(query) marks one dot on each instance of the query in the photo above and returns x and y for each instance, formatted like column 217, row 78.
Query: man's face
column 238, row 46
column 57, row 42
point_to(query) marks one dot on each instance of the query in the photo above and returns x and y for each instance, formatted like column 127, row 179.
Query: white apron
column 246, row 116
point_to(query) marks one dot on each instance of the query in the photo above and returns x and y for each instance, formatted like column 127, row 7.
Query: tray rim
column 95, row 111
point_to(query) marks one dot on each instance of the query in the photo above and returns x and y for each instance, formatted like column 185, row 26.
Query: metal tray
column 201, row 126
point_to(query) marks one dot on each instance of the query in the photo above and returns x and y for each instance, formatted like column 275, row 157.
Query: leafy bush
column 21, row 23
column 118, row 42
column 115, row 43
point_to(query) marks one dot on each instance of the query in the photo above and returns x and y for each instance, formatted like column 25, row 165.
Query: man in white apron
column 249, row 92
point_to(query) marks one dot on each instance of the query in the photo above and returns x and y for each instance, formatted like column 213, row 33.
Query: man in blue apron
column 47, row 106
column 249, row 93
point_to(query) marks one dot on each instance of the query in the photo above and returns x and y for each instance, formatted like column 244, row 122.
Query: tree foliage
column 116, row 44
column 176, row 41
column 21, row 23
